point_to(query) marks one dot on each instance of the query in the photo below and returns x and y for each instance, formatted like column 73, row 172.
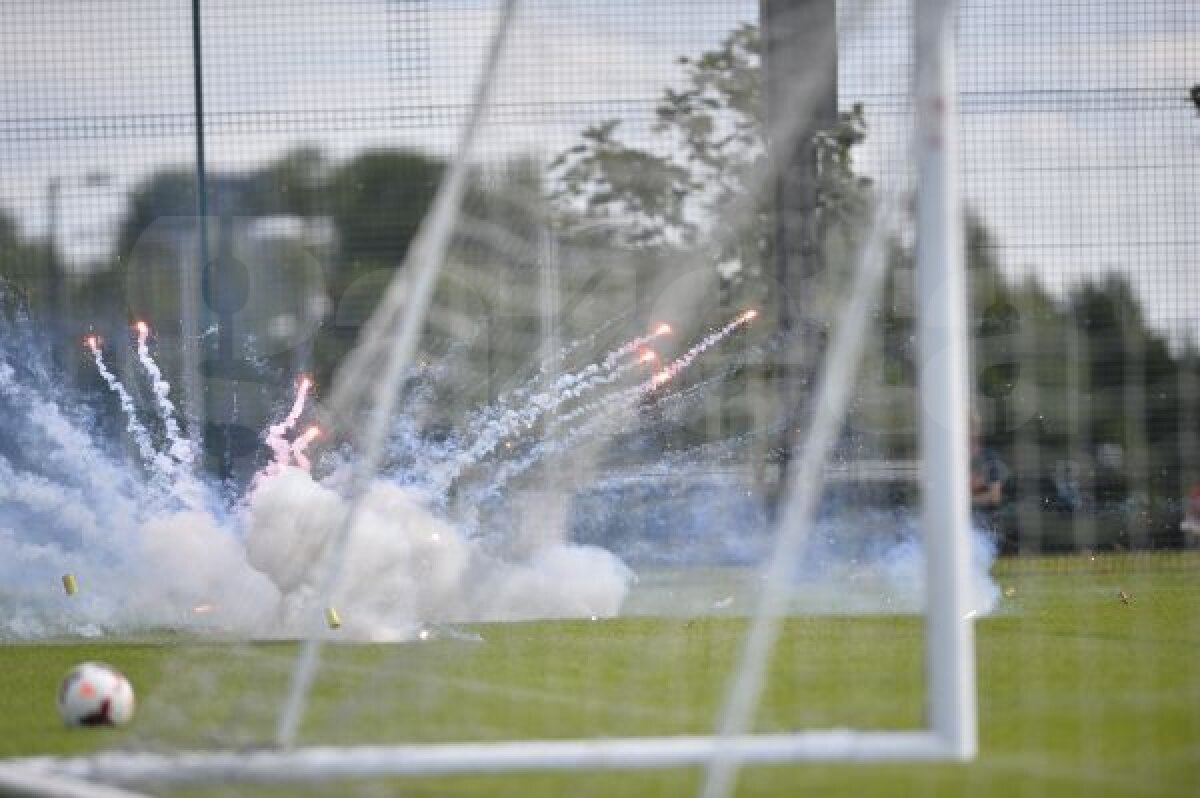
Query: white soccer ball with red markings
column 95, row 694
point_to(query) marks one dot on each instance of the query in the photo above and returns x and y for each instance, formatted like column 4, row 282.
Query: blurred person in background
column 988, row 477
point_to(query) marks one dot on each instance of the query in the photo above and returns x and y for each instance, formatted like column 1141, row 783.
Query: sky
column 1080, row 150
column 106, row 87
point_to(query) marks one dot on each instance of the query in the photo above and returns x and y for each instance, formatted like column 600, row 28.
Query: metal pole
column 198, row 100
column 549, row 303
column 54, row 277
column 193, row 311
column 942, row 337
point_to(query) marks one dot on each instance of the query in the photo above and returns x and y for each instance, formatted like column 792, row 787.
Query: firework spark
column 303, row 442
column 135, row 428
column 673, row 369
column 277, row 433
column 178, row 447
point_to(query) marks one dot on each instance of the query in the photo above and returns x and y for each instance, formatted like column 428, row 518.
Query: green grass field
column 1080, row 693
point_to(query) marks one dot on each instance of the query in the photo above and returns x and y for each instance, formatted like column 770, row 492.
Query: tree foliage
column 22, row 260
column 377, row 200
column 1073, row 372
column 703, row 166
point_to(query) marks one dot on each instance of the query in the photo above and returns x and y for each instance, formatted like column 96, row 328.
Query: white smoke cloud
column 405, row 566
column 149, row 554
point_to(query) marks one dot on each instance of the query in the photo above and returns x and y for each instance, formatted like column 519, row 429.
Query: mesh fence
column 1077, row 127
column 252, row 198
column 1078, row 140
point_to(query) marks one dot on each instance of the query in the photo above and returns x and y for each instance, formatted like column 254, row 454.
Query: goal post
column 943, row 385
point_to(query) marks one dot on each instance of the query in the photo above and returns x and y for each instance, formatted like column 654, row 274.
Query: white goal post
column 950, row 733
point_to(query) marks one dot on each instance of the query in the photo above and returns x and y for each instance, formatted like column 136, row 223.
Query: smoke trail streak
column 588, row 340
column 55, row 502
column 139, row 433
column 636, row 344
column 609, row 403
column 70, row 491
column 276, row 433
column 535, row 379
column 568, row 387
column 621, row 399
column 663, row 375
column 178, row 447
column 602, row 413
column 683, row 361
column 302, row 443
column 488, row 433
column 511, row 422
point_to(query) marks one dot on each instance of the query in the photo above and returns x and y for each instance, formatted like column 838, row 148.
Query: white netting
column 635, row 270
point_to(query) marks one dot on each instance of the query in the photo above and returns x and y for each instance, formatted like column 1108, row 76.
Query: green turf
column 1080, row 693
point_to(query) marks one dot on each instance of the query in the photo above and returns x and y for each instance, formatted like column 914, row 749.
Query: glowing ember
column 302, row 443
column 179, row 448
column 277, row 433
column 680, row 363
column 663, row 329
column 135, row 427
column 649, row 356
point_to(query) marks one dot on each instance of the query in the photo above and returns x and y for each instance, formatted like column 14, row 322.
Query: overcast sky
column 1080, row 149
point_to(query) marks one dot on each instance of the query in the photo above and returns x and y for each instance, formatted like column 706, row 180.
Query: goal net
column 515, row 386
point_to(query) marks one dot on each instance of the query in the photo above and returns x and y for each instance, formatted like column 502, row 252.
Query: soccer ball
column 95, row 694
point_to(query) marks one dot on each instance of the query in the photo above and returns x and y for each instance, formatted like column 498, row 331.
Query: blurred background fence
column 246, row 177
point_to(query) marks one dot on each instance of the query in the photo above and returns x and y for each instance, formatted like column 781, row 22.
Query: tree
column 706, row 150
column 23, row 262
column 689, row 207
column 171, row 192
column 1038, row 357
column 377, row 200
column 295, row 183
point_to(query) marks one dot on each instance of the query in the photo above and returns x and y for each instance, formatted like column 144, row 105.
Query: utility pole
column 54, row 277
column 192, row 310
